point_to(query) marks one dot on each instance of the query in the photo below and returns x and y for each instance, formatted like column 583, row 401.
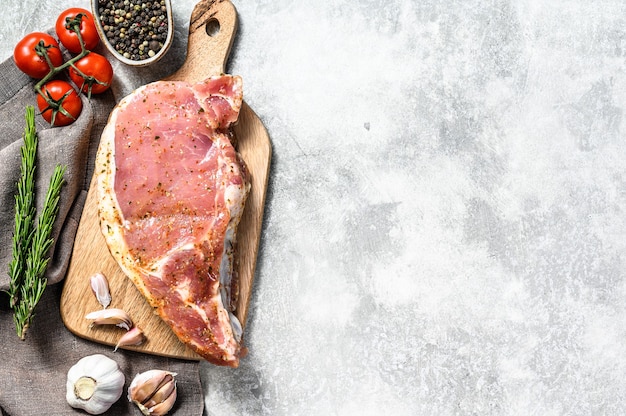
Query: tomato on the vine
column 88, row 30
column 64, row 104
column 29, row 61
column 96, row 76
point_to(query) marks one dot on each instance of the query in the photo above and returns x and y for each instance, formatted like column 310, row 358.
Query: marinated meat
column 171, row 190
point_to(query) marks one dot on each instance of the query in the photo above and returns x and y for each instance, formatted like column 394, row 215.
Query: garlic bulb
column 154, row 392
column 94, row 383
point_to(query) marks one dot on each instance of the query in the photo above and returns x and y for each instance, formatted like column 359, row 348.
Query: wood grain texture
column 206, row 56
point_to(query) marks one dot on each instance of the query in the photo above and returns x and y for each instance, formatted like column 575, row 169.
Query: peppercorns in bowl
column 137, row 32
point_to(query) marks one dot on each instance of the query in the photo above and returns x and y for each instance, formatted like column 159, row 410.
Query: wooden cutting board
column 207, row 54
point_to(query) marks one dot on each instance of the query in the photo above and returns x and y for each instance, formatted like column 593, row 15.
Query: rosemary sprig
column 24, row 208
column 31, row 238
column 37, row 261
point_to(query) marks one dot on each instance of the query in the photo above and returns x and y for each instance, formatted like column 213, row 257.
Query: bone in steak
column 171, row 191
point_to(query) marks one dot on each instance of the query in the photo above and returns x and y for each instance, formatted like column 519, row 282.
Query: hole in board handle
column 212, row 27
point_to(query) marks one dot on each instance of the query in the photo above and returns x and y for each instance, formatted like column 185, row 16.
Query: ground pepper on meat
column 137, row 29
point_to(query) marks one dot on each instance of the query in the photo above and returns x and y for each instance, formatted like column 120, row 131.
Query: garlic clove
column 163, row 393
column 163, row 407
column 144, row 385
column 133, row 337
column 111, row 317
column 94, row 383
column 236, row 325
column 153, row 391
column 100, row 288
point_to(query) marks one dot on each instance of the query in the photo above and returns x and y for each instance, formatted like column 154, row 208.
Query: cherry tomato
column 64, row 99
column 88, row 30
column 26, row 57
column 98, row 74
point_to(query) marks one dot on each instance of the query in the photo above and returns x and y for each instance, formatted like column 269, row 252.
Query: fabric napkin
column 33, row 372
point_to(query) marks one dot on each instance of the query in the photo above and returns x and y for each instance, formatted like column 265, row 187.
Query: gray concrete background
column 445, row 225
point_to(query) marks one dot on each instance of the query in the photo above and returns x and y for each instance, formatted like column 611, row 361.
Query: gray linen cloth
column 33, row 372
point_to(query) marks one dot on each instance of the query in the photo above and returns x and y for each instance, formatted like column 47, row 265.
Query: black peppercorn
column 137, row 29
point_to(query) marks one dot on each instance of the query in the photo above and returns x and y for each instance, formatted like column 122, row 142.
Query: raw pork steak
column 171, row 191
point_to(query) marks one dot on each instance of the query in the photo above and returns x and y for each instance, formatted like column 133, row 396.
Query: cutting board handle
column 212, row 31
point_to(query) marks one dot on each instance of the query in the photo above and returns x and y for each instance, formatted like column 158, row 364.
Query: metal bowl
column 132, row 62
